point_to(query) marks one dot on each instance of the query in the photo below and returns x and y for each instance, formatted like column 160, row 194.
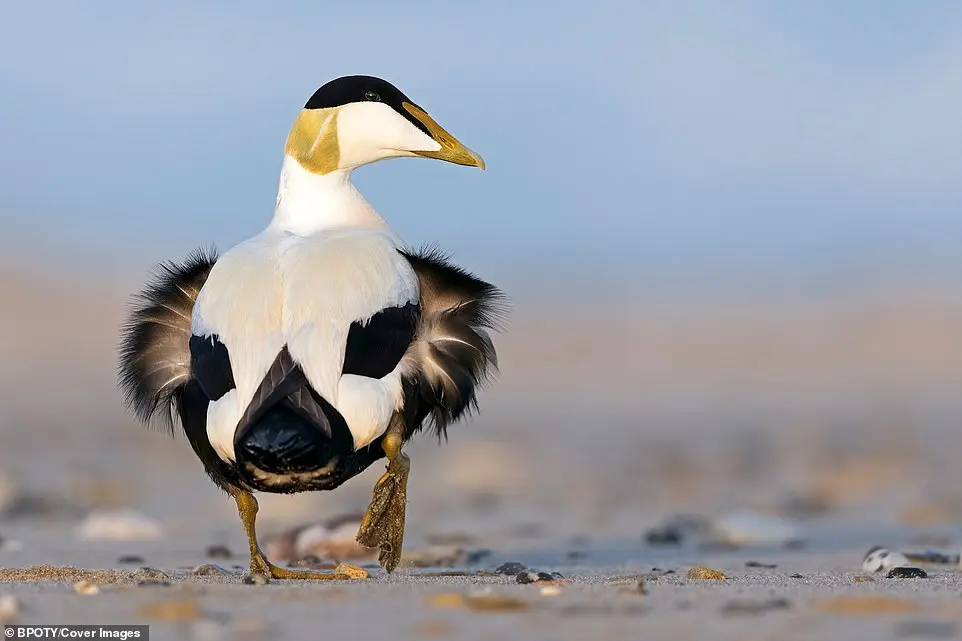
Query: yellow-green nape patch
column 313, row 140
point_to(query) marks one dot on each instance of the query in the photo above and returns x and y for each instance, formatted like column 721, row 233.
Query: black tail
column 288, row 427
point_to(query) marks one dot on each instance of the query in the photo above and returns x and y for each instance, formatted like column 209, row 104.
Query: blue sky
column 689, row 143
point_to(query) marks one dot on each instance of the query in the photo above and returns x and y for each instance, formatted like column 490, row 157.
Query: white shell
column 879, row 559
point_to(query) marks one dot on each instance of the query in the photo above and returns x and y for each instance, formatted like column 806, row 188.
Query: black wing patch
column 210, row 365
column 376, row 348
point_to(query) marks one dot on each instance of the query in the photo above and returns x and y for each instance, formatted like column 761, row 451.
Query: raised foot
column 383, row 524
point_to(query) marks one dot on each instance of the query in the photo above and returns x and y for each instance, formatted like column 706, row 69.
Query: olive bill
column 452, row 150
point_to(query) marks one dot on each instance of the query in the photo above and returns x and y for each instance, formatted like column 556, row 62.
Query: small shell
column 704, row 573
column 352, row 571
column 551, row 590
column 879, row 558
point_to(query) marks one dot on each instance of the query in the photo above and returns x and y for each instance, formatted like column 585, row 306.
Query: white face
column 347, row 136
column 372, row 131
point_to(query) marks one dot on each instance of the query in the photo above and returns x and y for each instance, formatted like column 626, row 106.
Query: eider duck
column 303, row 355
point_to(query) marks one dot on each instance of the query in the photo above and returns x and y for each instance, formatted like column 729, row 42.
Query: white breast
column 333, row 280
column 280, row 288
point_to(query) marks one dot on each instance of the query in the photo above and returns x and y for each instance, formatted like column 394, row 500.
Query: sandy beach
column 802, row 430
column 813, row 593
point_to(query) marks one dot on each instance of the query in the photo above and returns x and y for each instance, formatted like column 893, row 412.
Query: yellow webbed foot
column 383, row 524
column 247, row 508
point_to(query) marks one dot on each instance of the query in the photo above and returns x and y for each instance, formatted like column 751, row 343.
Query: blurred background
column 730, row 233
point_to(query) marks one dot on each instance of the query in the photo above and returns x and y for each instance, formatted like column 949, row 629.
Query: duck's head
column 357, row 120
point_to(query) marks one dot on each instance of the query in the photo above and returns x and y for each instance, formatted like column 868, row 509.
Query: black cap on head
column 348, row 89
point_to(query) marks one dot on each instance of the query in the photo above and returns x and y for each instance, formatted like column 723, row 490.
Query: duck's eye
column 372, row 96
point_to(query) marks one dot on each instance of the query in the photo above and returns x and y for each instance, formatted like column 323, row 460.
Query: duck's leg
column 247, row 508
column 383, row 524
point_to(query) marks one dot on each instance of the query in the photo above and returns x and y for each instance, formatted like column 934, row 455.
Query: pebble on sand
column 119, row 525
column 86, row 588
column 10, row 608
column 907, row 573
column 148, row 572
column 533, row 576
column 701, row 572
column 511, row 568
column 209, row 569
